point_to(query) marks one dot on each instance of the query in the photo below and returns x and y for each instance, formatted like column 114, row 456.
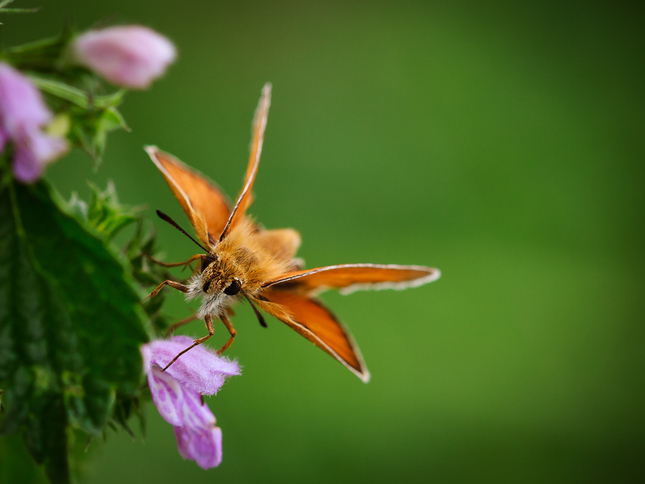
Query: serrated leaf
column 70, row 326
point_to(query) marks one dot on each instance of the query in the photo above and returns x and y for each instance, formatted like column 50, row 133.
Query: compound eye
column 207, row 260
column 233, row 288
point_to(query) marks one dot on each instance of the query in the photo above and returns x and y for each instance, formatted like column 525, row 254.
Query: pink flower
column 177, row 394
column 131, row 56
column 22, row 117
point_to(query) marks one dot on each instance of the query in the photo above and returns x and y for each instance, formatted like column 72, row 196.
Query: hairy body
column 249, row 255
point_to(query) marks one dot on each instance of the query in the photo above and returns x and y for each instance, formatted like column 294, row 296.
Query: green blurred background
column 501, row 142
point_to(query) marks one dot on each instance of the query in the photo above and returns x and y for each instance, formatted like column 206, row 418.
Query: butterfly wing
column 288, row 299
column 353, row 277
column 205, row 205
column 282, row 244
column 314, row 321
column 259, row 126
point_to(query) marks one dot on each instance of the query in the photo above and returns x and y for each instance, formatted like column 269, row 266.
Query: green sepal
column 106, row 214
column 91, row 116
column 77, row 96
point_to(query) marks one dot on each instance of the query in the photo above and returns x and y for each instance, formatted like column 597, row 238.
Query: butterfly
column 243, row 260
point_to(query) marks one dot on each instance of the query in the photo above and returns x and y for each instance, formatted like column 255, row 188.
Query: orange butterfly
column 244, row 260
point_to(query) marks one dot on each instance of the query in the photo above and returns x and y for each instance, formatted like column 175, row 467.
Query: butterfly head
column 217, row 283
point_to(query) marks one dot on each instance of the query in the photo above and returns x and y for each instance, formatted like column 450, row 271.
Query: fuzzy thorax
column 249, row 256
column 211, row 303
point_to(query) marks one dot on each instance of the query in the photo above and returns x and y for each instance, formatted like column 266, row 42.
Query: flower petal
column 177, row 395
column 22, row 108
column 204, row 448
column 26, row 167
column 34, row 150
column 23, row 114
column 200, row 369
column 168, row 396
column 198, row 438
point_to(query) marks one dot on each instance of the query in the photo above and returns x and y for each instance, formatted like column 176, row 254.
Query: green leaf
column 71, row 325
column 77, row 96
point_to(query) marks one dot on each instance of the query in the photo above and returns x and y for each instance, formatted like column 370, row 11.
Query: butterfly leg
column 174, row 264
column 181, row 323
column 211, row 331
column 231, row 330
column 175, row 285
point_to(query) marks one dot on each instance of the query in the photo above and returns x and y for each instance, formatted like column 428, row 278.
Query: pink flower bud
column 130, row 56
column 22, row 117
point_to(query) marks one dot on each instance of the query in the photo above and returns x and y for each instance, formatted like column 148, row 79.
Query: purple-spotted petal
column 168, row 396
column 199, row 438
column 177, row 394
column 199, row 369
column 196, row 414
column 204, row 448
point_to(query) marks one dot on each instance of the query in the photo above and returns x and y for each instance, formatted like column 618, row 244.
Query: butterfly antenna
column 261, row 320
column 166, row 218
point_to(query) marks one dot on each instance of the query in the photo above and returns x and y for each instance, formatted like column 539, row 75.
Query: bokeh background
column 499, row 141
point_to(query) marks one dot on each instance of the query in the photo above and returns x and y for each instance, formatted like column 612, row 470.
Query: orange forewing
column 352, row 277
column 259, row 126
column 316, row 323
column 207, row 207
